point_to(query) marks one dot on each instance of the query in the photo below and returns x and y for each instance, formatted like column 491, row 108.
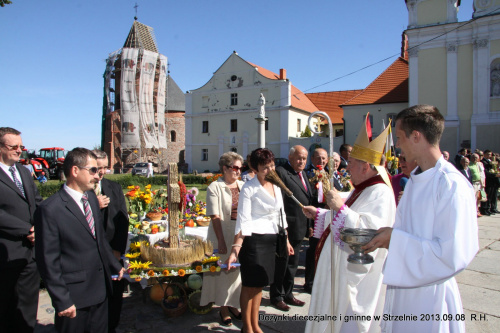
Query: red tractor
column 52, row 160
column 30, row 154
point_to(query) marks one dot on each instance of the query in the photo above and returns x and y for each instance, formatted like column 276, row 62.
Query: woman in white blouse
column 260, row 210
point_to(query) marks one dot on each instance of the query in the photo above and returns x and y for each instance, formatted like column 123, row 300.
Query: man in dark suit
column 114, row 210
column 73, row 256
column 492, row 184
column 345, row 151
column 19, row 278
column 464, row 169
column 320, row 158
column 293, row 176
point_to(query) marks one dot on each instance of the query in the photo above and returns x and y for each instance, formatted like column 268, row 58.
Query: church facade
column 455, row 66
column 221, row 115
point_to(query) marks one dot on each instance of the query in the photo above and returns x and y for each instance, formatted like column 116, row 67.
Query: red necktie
column 302, row 180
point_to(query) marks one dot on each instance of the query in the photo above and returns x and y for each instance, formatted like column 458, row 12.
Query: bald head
column 298, row 158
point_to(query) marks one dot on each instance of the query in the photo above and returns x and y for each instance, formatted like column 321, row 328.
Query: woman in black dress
column 260, row 209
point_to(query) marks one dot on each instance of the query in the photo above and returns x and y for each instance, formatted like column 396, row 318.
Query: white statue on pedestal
column 262, row 103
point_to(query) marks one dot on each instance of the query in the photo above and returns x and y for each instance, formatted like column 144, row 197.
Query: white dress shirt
column 7, row 171
column 258, row 211
column 75, row 195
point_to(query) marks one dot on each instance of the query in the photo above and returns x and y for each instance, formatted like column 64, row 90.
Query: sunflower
column 151, row 272
column 166, row 272
column 133, row 265
column 181, row 272
column 199, row 269
column 133, row 255
column 145, row 265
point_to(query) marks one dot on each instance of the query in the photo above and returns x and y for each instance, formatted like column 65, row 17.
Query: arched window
column 495, row 78
column 172, row 136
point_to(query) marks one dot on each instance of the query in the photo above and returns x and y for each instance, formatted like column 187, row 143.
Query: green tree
column 5, row 2
column 307, row 133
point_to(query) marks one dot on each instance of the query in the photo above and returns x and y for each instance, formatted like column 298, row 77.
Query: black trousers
column 19, row 287
column 284, row 275
column 115, row 302
column 310, row 262
column 92, row 319
column 492, row 195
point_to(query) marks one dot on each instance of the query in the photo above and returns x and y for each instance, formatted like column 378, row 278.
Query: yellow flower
column 137, row 227
column 131, row 187
column 133, row 265
column 213, row 268
column 181, row 272
column 133, row 255
column 151, row 272
column 135, row 246
column 148, row 186
column 199, row 268
column 166, row 272
column 145, row 265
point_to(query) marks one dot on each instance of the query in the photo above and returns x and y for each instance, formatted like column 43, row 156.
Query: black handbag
column 281, row 246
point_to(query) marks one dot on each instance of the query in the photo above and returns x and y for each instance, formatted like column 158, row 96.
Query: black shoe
column 495, row 211
column 234, row 315
column 485, row 213
column 307, row 289
column 281, row 306
column 491, row 212
column 227, row 322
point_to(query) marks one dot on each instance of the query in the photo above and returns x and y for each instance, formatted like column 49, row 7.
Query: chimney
column 404, row 46
column 282, row 74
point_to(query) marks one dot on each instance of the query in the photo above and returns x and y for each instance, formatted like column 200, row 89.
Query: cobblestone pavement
column 479, row 287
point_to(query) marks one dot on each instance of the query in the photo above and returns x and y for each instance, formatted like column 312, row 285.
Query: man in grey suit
column 19, row 278
column 294, row 177
column 73, row 256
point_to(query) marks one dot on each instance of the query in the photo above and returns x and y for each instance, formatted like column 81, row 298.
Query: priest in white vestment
column 351, row 294
column 434, row 237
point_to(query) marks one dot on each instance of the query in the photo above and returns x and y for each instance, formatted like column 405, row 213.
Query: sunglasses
column 16, row 147
column 234, row 167
column 92, row 170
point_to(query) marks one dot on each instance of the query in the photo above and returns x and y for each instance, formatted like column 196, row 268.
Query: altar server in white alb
column 434, row 236
column 352, row 293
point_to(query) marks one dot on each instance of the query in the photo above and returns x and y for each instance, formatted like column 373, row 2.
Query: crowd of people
column 425, row 217
column 481, row 170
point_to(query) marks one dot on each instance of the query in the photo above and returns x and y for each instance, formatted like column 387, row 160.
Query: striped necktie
column 88, row 213
column 12, row 170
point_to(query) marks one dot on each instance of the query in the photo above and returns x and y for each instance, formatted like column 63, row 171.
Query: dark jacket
column 298, row 224
column 75, row 266
column 115, row 215
column 16, row 218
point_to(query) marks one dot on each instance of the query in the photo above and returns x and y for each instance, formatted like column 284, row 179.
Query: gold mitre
column 367, row 151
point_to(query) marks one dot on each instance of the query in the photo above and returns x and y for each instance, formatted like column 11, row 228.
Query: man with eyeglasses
column 114, row 211
column 19, row 278
column 73, row 256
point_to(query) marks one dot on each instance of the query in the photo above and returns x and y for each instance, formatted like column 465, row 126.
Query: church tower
column 135, row 102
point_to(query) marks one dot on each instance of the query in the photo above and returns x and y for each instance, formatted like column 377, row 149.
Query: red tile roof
column 390, row 87
column 330, row 102
column 299, row 99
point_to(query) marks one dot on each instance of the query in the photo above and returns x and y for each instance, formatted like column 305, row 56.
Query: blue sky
column 53, row 52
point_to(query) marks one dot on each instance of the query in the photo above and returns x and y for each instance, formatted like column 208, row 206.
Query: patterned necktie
column 88, row 213
column 12, row 170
